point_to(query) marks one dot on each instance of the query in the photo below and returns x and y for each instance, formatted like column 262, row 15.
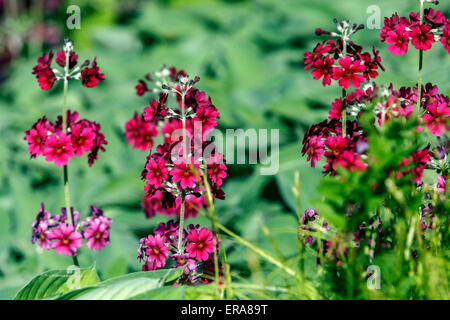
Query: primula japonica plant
column 386, row 154
column 183, row 174
column 60, row 141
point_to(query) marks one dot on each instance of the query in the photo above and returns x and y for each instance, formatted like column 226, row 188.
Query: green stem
column 344, row 113
column 419, row 81
column 181, row 225
column 66, row 169
column 185, row 158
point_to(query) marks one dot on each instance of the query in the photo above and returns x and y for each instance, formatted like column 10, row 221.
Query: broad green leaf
column 124, row 287
column 56, row 282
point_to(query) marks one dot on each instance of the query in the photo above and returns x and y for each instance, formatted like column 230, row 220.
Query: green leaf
column 124, row 287
column 56, row 282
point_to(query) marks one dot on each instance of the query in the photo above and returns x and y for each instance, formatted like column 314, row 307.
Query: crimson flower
column 217, row 169
column 61, row 59
column 336, row 109
column 319, row 50
column 82, row 139
column 140, row 133
column 201, row 244
column 67, row 240
column 314, row 150
column 323, row 67
column 348, row 72
column 90, row 77
column 398, row 40
column 422, row 37
column 157, row 172
column 58, row 149
column 44, row 73
column 438, row 117
column 97, row 234
column 445, row 38
column 183, row 174
column 156, row 250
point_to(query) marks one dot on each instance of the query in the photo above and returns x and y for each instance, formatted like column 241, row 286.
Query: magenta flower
column 61, row 59
column 217, row 169
column 319, row 50
column 44, row 236
column 90, row 77
column 82, row 139
column 37, row 136
column 43, row 71
column 66, row 239
column 157, row 172
column 445, row 38
column 141, row 88
column 156, row 250
column 139, row 133
column 315, row 150
column 336, row 109
column 398, row 40
column 348, row 72
column 437, row 120
column 97, row 234
column 323, row 67
column 183, row 174
column 441, row 183
column 201, row 244
column 422, row 37
column 58, row 149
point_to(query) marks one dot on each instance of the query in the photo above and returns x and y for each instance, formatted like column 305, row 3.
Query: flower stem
column 344, row 114
column 185, row 158
column 66, row 169
column 181, row 225
column 419, row 81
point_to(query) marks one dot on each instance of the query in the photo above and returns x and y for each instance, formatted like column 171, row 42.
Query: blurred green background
column 249, row 55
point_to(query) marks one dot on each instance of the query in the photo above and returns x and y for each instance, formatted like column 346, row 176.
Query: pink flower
column 82, row 139
column 157, row 172
column 141, row 88
column 58, row 149
column 140, row 133
column 201, row 244
column 182, row 173
column 61, row 59
column 421, row 37
column 336, row 109
column 217, row 169
column 67, row 240
column 319, row 50
column 97, row 234
column 398, row 40
column 323, row 67
column 441, row 183
column 43, row 71
column 44, row 236
column 207, row 117
column 445, row 38
column 351, row 161
column 156, row 250
column 348, row 72
column 315, row 149
column 437, row 119
column 90, row 77
column 36, row 137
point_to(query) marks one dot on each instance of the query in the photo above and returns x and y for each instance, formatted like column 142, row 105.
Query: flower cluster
column 342, row 60
column 67, row 59
column 54, row 232
column 160, row 250
column 140, row 133
column 56, row 145
column 399, row 31
column 170, row 170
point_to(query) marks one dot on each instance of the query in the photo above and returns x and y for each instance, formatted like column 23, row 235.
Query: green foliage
column 249, row 56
